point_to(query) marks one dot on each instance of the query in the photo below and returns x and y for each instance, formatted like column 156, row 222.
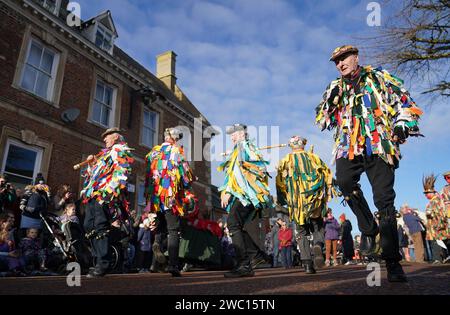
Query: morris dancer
column 168, row 179
column 304, row 185
column 437, row 223
column 105, row 194
column 244, row 194
column 373, row 114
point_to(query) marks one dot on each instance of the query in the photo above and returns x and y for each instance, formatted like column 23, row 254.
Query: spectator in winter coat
column 285, row 245
column 347, row 240
column 332, row 228
column 144, row 239
column 415, row 228
column 35, row 202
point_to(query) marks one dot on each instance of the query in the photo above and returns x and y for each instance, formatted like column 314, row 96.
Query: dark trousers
column 381, row 177
column 437, row 251
column 97, row 219
column 144, row 259
column 314, row 227
column 286, row 256
column 170, row 227
column 243, row 244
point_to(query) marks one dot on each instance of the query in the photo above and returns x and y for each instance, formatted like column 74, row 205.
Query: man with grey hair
column 373, row 114
column 244, row 194
column 105, row 195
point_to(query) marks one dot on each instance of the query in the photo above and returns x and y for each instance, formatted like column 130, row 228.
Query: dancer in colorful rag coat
column 373, row 114
column 304, row 184
column 167, row 184
column 105, row 194
column 437, row 223
column 244, row 194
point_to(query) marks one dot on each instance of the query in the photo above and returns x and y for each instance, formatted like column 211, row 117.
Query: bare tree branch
column 416, row 42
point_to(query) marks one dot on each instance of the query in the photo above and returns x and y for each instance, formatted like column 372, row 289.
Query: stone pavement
column 341, row 280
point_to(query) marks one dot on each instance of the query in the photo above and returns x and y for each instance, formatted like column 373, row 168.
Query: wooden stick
column 262, row 148
column 80, row 165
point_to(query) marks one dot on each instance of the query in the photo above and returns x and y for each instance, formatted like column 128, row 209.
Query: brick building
column 61, row 87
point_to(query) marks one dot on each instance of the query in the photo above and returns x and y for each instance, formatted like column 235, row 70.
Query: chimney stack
column 165, row 69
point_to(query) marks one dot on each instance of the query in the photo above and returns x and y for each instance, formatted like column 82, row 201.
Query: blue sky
column 265, row 63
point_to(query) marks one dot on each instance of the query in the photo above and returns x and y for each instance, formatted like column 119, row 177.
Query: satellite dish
column 70, row 115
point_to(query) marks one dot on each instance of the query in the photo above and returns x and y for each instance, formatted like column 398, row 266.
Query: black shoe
column 259, row 259
column 319, row 262
column 240, row 272
column 368, row 245
column 174, row 271
column 395, row 272
column 309, row 268
column 158, row 254
column 96, row 273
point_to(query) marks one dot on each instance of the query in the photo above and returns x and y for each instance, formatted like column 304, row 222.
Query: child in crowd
column 144, row 239
column 32, row 253
column 69, row 217
column 70, row 214
column 9, row 257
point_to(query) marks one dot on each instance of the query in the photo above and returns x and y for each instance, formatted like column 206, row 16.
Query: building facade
column 62, row 86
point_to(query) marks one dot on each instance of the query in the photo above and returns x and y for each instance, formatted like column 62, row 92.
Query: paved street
column 423, row 279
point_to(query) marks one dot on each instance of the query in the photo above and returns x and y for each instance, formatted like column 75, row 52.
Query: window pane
column 50, row 5
column 47, row 61
column 107, row 46
column 148, row 136
column 35, row 55
column 145, row 137
column 20, row 161
column 99, row 39
column 141, row 192
column 19, row 182
column 29, row 78
column 42, row 85
column 105, row 116
column 108, row 37
column 153, row 120
column 108, row 96
column 99, row 92
column 146, row 118
column 97, row 112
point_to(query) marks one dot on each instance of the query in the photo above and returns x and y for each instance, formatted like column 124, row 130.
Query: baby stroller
column 121, row 251
column 66, row 244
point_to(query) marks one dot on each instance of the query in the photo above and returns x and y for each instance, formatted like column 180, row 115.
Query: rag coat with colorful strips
column 168, row 179
column 304, row 184
column 246, row 176
column 365, row 122
column 445, row 194
column 106, row 181
column 437, row 223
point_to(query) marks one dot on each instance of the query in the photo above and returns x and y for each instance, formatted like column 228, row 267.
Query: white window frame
column 37, row 164
column 57, row 6
column 113, row 104
column 55, row 65
column 143, row 127
column 104, row 30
